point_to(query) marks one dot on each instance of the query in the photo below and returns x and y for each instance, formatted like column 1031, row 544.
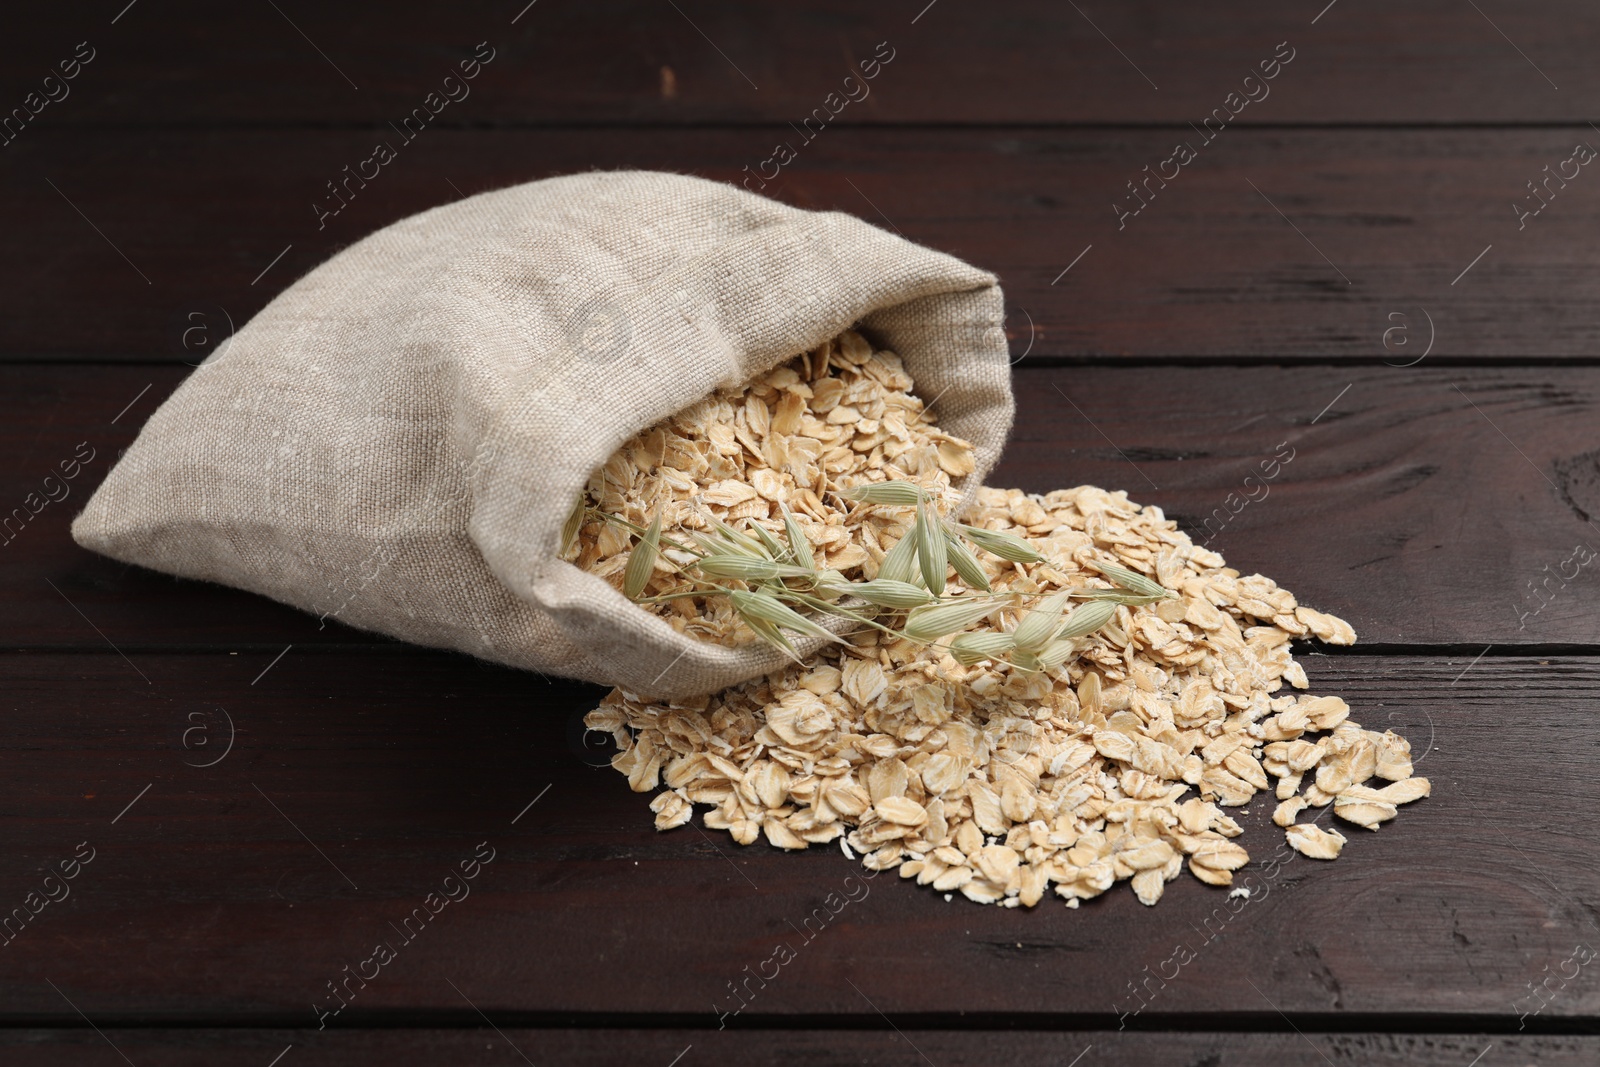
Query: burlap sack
column 397, row 439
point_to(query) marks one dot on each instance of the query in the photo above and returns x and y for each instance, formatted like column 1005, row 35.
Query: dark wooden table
column 1351, row 264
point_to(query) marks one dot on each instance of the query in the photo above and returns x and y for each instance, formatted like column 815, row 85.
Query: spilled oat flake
column 991, row 780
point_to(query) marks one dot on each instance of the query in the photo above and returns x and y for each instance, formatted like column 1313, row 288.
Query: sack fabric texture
column 398, row 438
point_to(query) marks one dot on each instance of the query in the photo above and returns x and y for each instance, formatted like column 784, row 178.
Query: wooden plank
column 1429, row 506
column 1428, row 61
column 1282, row 245
column 777, row 1048
column 1434, row 506
column 357, row 783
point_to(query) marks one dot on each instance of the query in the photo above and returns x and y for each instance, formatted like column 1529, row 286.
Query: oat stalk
column 773, row 583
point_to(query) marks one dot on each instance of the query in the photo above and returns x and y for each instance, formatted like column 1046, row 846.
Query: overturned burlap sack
column 397, row 439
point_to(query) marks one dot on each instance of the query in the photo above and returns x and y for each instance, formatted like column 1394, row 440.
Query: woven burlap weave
column 396, row 440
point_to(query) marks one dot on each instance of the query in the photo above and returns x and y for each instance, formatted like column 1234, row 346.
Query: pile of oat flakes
column 989, row 780
column 830, row 419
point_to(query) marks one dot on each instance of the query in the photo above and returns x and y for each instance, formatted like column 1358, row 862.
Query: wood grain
column 357, row 782
column 658, row 1047
column 266, row 796
column 1428, row 61
column 1429, row 506
column 1351, row 244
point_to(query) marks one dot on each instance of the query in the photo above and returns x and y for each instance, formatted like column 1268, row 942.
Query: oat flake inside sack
column 398, row 438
